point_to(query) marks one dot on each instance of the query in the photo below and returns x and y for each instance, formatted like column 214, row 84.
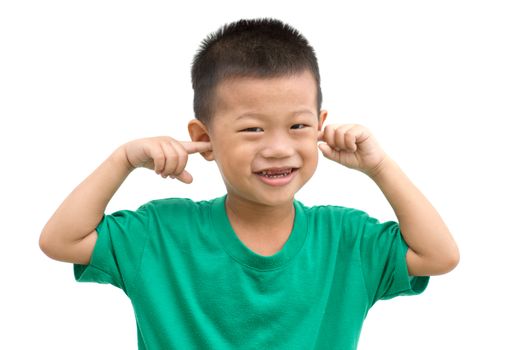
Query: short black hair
column 258, row 48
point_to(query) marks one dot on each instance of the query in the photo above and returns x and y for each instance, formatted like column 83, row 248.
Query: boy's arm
column 432, row 250
column 70, row 234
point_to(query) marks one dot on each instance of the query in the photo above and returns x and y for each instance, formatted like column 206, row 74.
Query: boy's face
column 264, row 136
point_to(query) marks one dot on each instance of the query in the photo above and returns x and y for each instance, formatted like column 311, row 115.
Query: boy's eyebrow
column 256, row 115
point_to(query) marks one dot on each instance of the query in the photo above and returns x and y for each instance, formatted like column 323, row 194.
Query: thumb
column 185, row 177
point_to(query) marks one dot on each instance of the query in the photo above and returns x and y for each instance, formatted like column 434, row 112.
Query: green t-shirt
column 194, row 285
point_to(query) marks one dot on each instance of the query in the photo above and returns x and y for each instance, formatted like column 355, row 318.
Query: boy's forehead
column 247, row 94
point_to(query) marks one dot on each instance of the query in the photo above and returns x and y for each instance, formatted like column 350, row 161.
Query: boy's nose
column 277, row 147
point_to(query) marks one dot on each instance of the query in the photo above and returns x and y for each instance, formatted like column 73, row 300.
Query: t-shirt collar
column 242, row 254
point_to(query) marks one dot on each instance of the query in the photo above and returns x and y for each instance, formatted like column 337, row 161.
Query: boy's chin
column 272, row 199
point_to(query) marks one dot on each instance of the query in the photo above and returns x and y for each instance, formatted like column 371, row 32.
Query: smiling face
column 264, row 137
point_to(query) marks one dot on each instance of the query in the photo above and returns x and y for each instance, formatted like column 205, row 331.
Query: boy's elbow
column 47, row 245
column 448, row 258
column 51, row 244
column 437, row 264
column 57, row 247
column 449, row 261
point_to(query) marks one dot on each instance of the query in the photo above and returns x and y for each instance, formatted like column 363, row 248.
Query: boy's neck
column 262, row 223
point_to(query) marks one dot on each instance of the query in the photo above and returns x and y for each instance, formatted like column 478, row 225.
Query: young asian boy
column 255, row 268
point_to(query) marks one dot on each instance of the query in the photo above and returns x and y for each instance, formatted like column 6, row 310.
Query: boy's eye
column 254, row 129
column 298, row 126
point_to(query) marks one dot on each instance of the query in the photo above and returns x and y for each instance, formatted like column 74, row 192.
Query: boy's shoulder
column 173, row 209
column 333, row 210
column 347, row 220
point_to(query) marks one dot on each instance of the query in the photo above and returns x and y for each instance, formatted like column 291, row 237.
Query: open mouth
column 276, row 173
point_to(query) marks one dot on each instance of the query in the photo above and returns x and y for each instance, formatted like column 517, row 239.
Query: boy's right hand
column 163, row 154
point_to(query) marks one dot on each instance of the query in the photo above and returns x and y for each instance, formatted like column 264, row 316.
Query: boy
column 254, row 268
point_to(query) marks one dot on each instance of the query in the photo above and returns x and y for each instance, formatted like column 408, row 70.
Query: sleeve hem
column 91, row 273
column 407, row 285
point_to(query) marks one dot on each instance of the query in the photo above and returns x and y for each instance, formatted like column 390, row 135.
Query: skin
column 257, row 126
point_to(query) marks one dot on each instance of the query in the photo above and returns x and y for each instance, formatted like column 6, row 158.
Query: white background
column 441, row 84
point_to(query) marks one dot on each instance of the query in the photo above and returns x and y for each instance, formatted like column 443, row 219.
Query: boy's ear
column 321, row 119
column 199, row 132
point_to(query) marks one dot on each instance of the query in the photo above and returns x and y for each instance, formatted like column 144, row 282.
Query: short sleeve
column 117, row 254
column 383, row 258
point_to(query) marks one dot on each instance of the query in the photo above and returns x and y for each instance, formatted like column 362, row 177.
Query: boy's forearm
column 82, row 210
column 422, row 227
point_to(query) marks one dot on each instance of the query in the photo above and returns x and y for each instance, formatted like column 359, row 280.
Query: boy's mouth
column 276, row 177
column 275, row 173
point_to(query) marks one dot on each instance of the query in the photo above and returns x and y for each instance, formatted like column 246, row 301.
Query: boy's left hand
column 353, row 146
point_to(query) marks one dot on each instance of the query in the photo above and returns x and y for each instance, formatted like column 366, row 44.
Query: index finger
column 194, row 147
column 321, row 135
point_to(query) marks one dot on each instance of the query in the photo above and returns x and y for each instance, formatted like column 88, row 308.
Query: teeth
column 282, row 173
column 276, row 175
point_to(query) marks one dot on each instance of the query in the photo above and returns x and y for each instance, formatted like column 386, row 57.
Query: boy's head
column 257, row 100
